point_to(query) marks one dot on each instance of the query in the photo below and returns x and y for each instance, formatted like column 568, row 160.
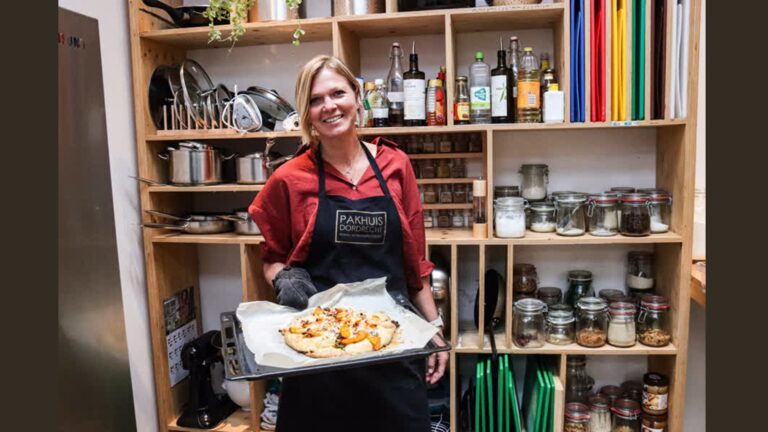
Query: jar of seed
column 635, row 215
column 591, row 322
column 621, row 328
column 576, row 417
column 524, row 280
column 560, row 327
column 653, row 321
column 626, row 416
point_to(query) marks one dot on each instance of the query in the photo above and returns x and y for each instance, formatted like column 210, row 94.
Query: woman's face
column 332, row 104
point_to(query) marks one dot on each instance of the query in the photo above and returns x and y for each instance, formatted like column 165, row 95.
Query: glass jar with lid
column 600, row 414
column 444, row 219
column 524, row 279
column 443, row 169
column 553, row 195
column 541, row 217
column 446, row 194
column 509, row 217
column 560, row 327
column 635, row 215
column 623, row 189
column 550, row 295
column 632, row 390
column 612, row 392
column 578, row 384
column 653, row 327
column 655, row 393
column 460, row 144
column 428, row 169
column 626, row 416
column 653, row 423
column 412, row 145
column 535, row 180
column 506, row 191
column 621, row 327
column 612, row 295
column 640, row 273
column 528, row 323
column 460, row 194
column 576, row 417
column 416, row 168
column 591, row 322
column 601, row 214
column 458, row 168
column 570, row 214
column 428, row 144
column 457, row 219
column 579, row 285
column 660, row 208
column 430, row 194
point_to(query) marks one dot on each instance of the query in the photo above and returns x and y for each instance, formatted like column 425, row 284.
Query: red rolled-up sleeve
column 271, row 210
column 415, row 216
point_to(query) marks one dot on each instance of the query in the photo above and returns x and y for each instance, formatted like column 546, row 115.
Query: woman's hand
column 437, row 363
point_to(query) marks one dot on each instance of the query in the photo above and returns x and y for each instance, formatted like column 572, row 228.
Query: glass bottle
column 560, row 327
column 599, row 414
column 653, row 328
column 435, row 103
column 621, row 328
column 591, row 322
column 499, row 87
column 626, row 416
column 414, row 93
column 579, row 285
column 379, row 104
column 395, row 86
column 578, row 384
column 461, row 102
column 570, row 214
column 640, row 274
column 513, row 54
column 535, row 180
column 368, row 117
column 525, row 280
column 479, row 90
column 635, row 215
column 528, row 325
column 528, row 89
column 601, row 215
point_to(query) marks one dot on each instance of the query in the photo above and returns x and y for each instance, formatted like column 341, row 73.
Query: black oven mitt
column 294, row 287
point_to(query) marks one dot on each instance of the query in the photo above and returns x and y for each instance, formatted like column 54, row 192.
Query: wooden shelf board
column 214, row 188
column 179, row 135
column 239, row 421
column 447, row 206
column 258, row 33
column 505, row 18
column 467, row 344
column 446, row 156
column 464, row 236
column 444, row 181
column 224, row 238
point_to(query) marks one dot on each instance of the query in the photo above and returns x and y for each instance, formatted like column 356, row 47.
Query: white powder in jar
column 658, row 227
column 570, row 231
column 639, row 282
column 543, row 227
column 534, row 192
column 510, row 225
column 603, row 232
column 621, row 334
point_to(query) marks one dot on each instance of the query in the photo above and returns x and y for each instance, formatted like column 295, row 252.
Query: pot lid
column 270, row 102
column 196, row 85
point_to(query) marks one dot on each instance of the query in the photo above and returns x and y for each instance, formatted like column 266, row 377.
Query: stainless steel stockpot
column 193, row 164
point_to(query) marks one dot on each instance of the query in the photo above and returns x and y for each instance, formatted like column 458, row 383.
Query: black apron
column 354, row 240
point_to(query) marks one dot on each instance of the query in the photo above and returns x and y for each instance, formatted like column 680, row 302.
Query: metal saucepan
column 198, row 223
column 194, row 163
column 183, row 16
column 244, row 225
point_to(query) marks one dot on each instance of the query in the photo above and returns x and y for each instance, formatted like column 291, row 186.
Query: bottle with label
column 414, row 88
column 368, row 117
column 554, row 105
column 499, row 80
column 395, row 87
column 547, row 73
column 461, row 102
column 528, row 89
column 379, row 104
column 435, row 103
column 479, row 90
column 513, row 54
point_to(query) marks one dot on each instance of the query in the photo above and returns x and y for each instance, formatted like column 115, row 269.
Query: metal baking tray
column 240, row 363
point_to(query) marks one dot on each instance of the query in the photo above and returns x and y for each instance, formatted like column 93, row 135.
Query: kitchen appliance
column 276, row 10
column 205, row 409
column 244, row 225
column 194, row 163
column 415, row 5
column 239, row 392
column 356, row 7
column 182, row 16
column 198, row 223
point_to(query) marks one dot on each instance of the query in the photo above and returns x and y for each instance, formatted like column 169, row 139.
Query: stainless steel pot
column 244, row 225
column 200, row 223
column 252, row 169
column 357, row 7
column 194, row 164
column 440, row 293
column 276, row 10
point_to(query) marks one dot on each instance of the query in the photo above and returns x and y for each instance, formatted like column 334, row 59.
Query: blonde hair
column 304, row 90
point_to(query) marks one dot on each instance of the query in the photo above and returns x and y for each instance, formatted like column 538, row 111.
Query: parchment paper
column 261, row 321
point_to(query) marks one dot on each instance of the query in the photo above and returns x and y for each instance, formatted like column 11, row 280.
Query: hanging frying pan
column 182, row 16
column 163, row 86
column 495, row 300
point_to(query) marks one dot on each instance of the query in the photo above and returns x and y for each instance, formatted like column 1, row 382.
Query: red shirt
column 285, row 209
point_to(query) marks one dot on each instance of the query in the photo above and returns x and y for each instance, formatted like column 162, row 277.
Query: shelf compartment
column 446, row 156
column 213, row 188
column 239, row 421
column 464, row 206
column 257, row 33
column 444, row 181
column 383, row 25
column 467, row 343
column 224, row 238
column 502, row 18
column 534, row 238
column 200, row 134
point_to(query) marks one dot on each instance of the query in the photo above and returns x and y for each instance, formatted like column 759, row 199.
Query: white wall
column 116, row 72
column 219, row 265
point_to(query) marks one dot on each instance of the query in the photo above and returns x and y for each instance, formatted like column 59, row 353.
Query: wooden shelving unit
column 172, row 258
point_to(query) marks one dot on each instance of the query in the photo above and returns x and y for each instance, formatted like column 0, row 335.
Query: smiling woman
column 353, row 213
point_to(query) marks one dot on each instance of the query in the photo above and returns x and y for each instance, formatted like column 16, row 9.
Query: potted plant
column 237, row 13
